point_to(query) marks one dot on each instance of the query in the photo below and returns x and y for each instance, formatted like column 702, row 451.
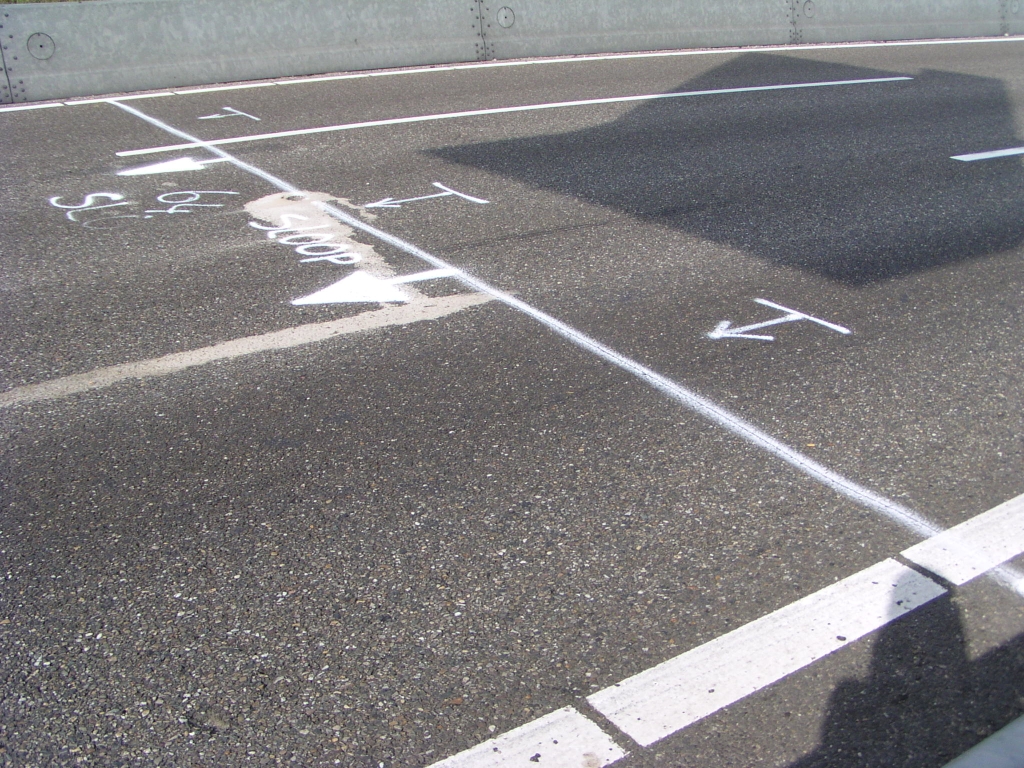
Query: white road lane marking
column 561, row 739
column 989, row 155
column 666, row 698
column 500, row 111
column 426, row 309
column 968, row 550
column 700, row 405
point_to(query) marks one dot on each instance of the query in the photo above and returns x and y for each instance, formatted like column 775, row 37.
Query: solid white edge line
column 502, row 110
column 31, row 106
column 968, row 550
column 567, row 59
column 424, row 309
column 664, row 699
column 989, row 155
column 560, row 739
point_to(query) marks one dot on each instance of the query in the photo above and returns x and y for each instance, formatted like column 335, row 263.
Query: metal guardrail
column 64, row 49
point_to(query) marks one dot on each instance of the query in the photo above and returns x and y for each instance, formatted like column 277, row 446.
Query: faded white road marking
column 562, row 739
column 423, row 309
column 724, row 330
column 966, row 551
column 700, row 405
column 499, row 111
column 989, row 155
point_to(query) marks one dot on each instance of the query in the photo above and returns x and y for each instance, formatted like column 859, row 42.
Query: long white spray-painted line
column 710, row 410
column 572, row 59
column 670, row 696
column 198, row 144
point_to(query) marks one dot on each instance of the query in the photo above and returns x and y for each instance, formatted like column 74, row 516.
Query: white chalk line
column 666, row 698
column 1006, row 575
column 198, row 144
column 568, row 59
column 710, row 410
column 423, row 309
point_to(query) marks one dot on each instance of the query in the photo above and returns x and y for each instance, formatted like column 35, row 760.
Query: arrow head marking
column 359, row 287
column 722, row 331
column 387, row 202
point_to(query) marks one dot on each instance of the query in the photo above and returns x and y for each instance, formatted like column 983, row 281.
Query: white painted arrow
column 362, row 287
column 170, row 166
column 390, row 202
column 724, row 329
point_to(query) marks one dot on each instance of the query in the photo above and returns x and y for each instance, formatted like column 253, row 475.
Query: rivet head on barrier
column 506, row 17
column 808, row 9
column 1015, row 6
column 41, row 46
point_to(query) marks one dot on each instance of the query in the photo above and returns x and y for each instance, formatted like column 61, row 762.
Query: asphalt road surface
column 430, row 408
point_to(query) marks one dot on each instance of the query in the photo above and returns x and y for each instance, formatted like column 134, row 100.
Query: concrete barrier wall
column 58, row 50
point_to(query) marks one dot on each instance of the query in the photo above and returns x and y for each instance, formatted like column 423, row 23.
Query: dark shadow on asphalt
column 852, row 182
column 924, row 701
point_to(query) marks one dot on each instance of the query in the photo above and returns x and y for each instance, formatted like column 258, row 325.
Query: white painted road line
column 678, row 692
column 670, row 696
column 968, row 550
column 499, row 111
column 989, row 155
column 562, row 739
column 427, row 309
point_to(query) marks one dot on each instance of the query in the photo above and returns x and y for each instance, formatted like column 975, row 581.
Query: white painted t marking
column 724, row 331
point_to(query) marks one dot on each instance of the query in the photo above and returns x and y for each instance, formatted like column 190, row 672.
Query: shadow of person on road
column 924, row 700
column 854, row 182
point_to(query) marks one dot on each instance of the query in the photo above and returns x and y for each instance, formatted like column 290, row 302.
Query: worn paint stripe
column 561, row 739
column 499, row 111
column 426, row 309
column 968, row 550
column 663, row 699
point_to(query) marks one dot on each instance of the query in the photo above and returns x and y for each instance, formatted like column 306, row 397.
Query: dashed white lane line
column 500, row 111
column 989, row 155
column 424, row 309
column 968, row 550
column 562, row 739
column 664, row 699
